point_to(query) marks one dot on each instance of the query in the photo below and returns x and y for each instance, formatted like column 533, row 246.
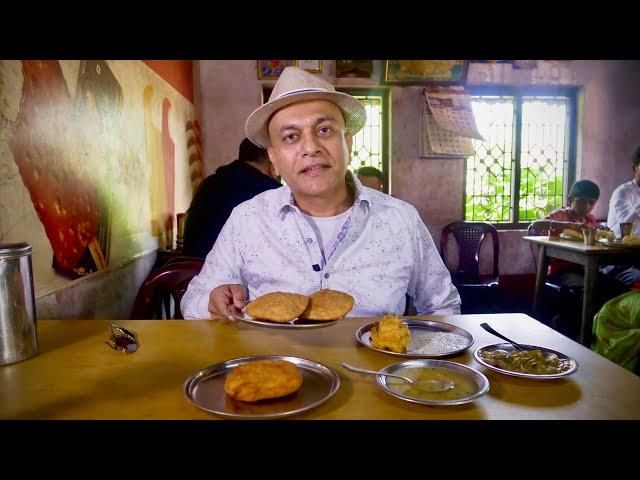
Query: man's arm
column 221, row 267
column 430, row 284
column 623, row 207
column 548, row 223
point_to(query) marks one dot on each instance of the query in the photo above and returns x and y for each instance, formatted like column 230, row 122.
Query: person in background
column 624, row 206
column 371, row 177
column 616, row 329
column 322, row 229
column 583, row 196
column 218, row 194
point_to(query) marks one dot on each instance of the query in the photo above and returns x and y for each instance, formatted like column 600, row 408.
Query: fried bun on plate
column 327, row 305
column 261, row 379
column 281, row 307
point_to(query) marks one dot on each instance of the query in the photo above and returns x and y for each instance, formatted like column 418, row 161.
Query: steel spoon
column 440, row 385
column 499, row 335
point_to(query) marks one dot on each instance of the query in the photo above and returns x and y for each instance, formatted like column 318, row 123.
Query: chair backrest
column 160, row 294
column 470, row 237
column 534, row 232
column 183, row 258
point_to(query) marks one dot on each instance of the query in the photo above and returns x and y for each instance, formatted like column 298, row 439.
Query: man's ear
column 349, row 139
column 273, row 167
column 273, row 171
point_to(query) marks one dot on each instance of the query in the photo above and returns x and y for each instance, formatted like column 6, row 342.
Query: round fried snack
column 631, row 240
column 278, row 307
column 390, row 333
column 327, row 305
column 262, row 379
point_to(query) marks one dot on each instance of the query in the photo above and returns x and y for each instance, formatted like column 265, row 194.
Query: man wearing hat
column 323, row 229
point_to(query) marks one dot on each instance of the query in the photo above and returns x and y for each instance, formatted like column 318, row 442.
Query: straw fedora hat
column 297, row 85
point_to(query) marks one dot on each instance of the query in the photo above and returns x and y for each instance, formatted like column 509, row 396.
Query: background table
column 590, row 256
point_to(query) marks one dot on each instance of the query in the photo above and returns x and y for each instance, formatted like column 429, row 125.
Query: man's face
column 582, row 206
column 371, row 182
column 309, row 147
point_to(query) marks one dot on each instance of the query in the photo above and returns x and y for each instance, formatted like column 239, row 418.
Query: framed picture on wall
column 271, row 69
column 312, row 66
column 426, row 72
column 354, row 68
column 525, row 64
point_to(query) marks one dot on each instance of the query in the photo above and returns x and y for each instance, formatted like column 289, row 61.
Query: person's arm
column 430, row 285
column 625, row 210
column 221, row 267
column 549, row 224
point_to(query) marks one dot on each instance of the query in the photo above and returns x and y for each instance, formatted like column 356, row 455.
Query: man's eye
column 325, row 130
column 291, row 137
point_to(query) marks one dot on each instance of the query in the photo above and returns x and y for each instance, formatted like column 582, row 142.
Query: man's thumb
column 239, row 294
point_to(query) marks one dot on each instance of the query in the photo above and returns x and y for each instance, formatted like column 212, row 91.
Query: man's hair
column 584, row 189
column 371, row 172
column 250, row 152
column 636, row 158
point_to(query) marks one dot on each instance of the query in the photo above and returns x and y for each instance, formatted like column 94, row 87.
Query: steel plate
column 421, row 331
column 509, row 348
column 205, row 389
column 393, row 386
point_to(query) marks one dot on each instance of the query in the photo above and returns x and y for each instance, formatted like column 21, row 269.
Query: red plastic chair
column 160, row 294
column 470, row 237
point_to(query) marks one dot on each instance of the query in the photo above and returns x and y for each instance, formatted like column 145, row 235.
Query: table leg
column 588, row 299
column 541, row 275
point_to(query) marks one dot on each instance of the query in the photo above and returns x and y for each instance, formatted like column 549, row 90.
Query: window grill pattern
column 367, row 143
column 544, row 156
column 512, row 180
column 488, row 172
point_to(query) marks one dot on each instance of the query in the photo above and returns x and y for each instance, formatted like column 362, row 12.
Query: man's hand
column 227, row 300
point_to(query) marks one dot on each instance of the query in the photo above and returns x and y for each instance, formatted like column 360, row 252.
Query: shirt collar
column 286, row 203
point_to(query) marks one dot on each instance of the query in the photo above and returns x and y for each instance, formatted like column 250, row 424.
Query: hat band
column 303, row 90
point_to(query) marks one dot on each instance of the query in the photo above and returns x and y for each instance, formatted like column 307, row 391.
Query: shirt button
column 326, row 275
column 309, row 240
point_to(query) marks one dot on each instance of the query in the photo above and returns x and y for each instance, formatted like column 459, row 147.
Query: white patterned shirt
column 625, row 207
column 267, row 245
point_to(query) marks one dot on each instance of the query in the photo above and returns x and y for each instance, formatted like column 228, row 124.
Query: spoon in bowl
column 499, row 335
column 435, row 385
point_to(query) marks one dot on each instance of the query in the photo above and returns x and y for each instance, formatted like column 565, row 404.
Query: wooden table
column 77, row 376
column 590, row 256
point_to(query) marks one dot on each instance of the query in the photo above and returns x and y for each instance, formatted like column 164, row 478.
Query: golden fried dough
column 326, row 305
column 260, row 379
column 572, row 234
column 390, row 333
column 605, row 234
column 631, row 240
column 278, row 307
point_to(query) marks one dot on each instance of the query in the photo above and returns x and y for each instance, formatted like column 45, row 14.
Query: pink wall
column 610, row 132
column 611, row 123
column 229, row 92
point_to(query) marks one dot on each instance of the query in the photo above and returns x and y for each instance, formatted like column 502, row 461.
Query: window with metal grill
column 525, row 166
column 370, row 144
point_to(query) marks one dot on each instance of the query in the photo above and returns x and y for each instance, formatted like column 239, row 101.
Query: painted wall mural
column 94, row 163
